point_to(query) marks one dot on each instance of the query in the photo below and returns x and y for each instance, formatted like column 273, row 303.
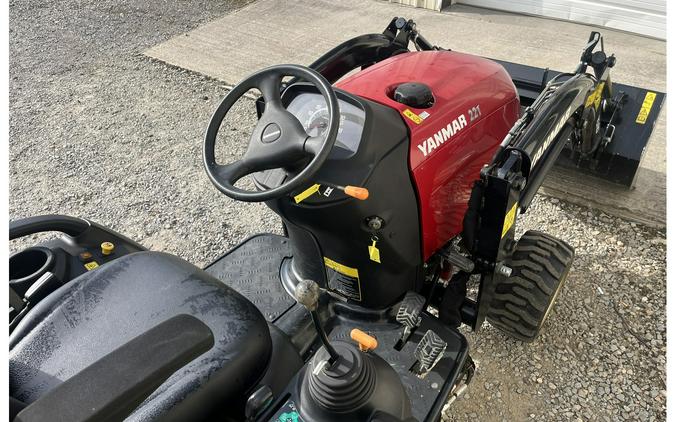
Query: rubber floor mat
column 252, row 269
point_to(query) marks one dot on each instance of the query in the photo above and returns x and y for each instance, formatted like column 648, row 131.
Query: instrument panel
column 312, row 112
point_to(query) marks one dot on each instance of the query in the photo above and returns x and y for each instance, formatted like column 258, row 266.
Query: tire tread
column 540, row 263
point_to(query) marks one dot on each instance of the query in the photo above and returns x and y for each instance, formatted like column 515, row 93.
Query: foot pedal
column 428, row 352
column 459, row 261
column 408, row 315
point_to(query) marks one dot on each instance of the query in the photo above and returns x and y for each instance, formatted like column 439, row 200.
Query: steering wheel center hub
column 271, row 133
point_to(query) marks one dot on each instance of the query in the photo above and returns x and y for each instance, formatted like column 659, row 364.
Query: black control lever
column 403, row 30
column 307, row 294
column 598, row 60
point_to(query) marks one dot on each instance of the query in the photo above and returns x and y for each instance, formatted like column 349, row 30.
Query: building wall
column 646, row 17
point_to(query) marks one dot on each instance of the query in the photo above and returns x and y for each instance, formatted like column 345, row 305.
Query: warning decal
column 343, row 279
column 307, row 193
column 509, row 219
column 646, row 108
column 91, row 265
column 412, row 116
column 595, row 97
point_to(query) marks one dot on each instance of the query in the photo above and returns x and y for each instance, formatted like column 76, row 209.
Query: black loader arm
column 363, row 51
column 556, row 118
column 366, row 50
column 617, row 119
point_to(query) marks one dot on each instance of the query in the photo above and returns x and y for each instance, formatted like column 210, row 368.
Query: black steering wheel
column 278, row 139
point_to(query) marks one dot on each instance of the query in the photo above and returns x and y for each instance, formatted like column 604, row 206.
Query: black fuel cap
column 414, row 94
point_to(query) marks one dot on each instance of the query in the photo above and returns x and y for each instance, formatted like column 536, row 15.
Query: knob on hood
column 414, row 94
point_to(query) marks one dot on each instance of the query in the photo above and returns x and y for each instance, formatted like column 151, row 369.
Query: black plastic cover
column 330, row 230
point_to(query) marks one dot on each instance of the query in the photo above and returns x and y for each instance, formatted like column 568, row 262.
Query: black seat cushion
column 105, row 308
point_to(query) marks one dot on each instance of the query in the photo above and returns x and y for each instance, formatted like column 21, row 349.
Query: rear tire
column 523, row 301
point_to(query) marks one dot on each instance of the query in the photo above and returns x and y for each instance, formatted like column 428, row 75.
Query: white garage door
column 647, row 17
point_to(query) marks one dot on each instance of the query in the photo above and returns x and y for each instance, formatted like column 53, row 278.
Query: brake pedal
column 408, row 315
column 459, row 261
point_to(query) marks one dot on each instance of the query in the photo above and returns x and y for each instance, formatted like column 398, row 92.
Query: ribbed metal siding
column 646, row 17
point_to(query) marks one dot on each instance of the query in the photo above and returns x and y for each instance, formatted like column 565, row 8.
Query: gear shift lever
column 307, row 294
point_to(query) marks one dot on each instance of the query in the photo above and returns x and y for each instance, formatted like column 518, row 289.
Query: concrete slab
column 271, row 32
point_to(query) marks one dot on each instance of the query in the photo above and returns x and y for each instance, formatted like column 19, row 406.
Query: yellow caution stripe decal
column 342, row 269
column 646, row 108
column 306, row 193
column 509, row 219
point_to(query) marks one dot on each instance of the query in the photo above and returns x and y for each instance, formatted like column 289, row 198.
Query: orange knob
column 357, row 192
column 366, row 342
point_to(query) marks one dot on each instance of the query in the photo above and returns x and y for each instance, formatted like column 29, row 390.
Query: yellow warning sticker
column 342, row 269
column 343, row 279
column 509, row 219
column 374, row 252
column 91, row 265
column 412, row 116
column 306, row 193
column 646, row 108
column 596, row 96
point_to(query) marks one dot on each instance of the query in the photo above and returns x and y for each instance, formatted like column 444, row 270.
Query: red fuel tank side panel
column 475, row 105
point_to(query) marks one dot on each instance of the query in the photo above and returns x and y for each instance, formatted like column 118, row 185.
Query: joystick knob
column 307, row 294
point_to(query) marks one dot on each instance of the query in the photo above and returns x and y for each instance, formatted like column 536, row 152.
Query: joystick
column 307, row 294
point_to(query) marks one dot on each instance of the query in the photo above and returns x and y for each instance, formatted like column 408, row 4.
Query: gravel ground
column 602, row 353
column 97, row 130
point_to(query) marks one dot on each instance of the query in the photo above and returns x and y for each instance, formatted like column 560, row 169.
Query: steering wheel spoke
column 233, row 171
column 313, row 145
column 270, row 87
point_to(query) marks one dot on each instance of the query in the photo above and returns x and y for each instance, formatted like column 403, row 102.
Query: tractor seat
column 98, row 312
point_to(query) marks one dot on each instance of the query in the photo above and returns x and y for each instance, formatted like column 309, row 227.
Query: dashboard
column 312, row 112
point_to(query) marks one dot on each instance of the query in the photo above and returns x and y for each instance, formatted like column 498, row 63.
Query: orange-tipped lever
column 366, row 342
column 357, row 192
column 353, row 191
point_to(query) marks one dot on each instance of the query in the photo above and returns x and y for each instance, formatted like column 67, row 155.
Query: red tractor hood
column 475, row 105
